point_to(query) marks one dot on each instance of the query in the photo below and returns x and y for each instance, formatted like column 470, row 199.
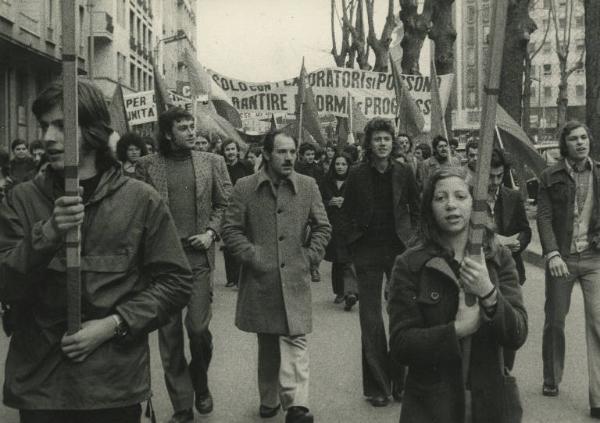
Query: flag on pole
column 410, row 117
column 306, row 110
column 202, row 84
column 118, row 115
column 161, row 95
column 520, row 146
column 273, row 123
column 438, row 122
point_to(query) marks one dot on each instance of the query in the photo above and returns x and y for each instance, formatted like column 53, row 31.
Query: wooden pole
column 90, row 7
column 488, row 123
column 71, row 142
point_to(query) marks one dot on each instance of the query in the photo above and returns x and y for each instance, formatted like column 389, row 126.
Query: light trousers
column 283, row 370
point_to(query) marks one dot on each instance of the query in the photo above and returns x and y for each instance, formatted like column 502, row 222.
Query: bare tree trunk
column 443, row 34
column 416, row 27
column 519, row 26
column 381, row 46
column 526, row 112
column 359, row 49
column 340, row 58
column 592, row 64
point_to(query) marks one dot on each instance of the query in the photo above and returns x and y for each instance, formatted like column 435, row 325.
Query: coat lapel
column 396, row 184
column 440, row 265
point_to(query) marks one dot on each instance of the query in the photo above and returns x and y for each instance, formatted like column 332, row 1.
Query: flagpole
column 70, row 102
column 512, row 179
column 435, row 91
column 488, row 123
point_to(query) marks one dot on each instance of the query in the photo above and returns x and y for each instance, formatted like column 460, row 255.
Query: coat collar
column 263, row 177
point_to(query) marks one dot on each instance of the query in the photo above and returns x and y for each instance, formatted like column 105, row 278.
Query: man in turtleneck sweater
column 196, row 186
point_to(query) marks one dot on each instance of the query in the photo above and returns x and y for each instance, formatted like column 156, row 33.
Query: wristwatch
column 120, row 327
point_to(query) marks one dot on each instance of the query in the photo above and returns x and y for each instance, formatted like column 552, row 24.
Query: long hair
column 332, row 174
column 375, row 125
column 564, row 132
column 165, row 127
column 429, row 232
column 93, row 118
column 130, row 138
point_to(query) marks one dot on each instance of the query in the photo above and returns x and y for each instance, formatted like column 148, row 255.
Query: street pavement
column 335, row 381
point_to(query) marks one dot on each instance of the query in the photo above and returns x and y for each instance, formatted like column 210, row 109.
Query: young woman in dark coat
column 429, row 317
column 343, row 276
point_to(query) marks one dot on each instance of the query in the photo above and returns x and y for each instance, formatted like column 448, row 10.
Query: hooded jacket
column 131, row 264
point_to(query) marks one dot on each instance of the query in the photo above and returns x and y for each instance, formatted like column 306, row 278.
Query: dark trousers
column 585, row 269
column 129, row 414
column 182, row 380
column 379, row 371
column 232, row 268
column 343, row 279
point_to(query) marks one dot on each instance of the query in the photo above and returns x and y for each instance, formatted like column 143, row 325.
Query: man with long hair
column 196, row 187
column 568, row 221
column 276, row 226
column 133, row 271
column 380, row 213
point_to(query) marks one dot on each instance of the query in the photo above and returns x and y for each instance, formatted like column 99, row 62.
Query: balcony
column 103, row 26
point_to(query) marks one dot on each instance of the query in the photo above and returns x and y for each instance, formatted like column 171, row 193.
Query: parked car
column 551, row 154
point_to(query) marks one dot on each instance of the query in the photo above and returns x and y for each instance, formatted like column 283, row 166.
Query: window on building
column 139, row 79
column 533, row 92
column 50, row 13
column 562, row 23
column 579, row 22
column 131, row 23
column 471, row 99
column 132, row 75
column 580, row 90
column 471, row 77
column 547, row 47
column 547, row 69
column 547, row 93
column 486, row 34
column 533, row 70
column 485, row 13
column 471, row 35
column 471, row 56
column 471, row 13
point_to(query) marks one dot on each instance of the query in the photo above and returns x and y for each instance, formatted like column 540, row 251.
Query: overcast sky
column 264, row 40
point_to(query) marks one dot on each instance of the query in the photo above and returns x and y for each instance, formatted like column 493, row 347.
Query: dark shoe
column 229, row 284
column 338, row 299
column 595, row 412
column 266, row 412
column 350, row 301
column 397, row 395
column 204, row 404
column 550, row 391
column 183, row 416
column 298, row 415
column 379, row 401
column 315, row 276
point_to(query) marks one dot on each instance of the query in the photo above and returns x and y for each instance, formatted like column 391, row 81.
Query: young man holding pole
column 131, row 285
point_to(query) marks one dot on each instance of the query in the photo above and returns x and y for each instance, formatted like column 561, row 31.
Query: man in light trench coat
column 276, row 226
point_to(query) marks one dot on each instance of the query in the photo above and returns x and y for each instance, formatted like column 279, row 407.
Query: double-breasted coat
column 422, row 306
column 265, row 228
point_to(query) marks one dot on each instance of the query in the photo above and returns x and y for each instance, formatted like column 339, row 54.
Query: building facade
column 472, row 49
column 129, row 35
column 30, row 58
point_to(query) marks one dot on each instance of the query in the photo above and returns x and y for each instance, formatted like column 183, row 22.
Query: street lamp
column 540, row 108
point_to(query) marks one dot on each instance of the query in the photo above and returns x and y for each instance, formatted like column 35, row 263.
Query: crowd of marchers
column 393, row 219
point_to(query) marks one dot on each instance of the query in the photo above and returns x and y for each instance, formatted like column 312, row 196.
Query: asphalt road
column 336, row 393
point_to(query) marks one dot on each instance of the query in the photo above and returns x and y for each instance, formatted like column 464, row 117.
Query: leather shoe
column 204, row 404
column 183, row 416
column 338, row 299
column 379, row 401
column 350, row 301
column 230, row 285
column 315, row 276
column 266, row 412
column 298, row 415
column 550, row 391
column 595, row 412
